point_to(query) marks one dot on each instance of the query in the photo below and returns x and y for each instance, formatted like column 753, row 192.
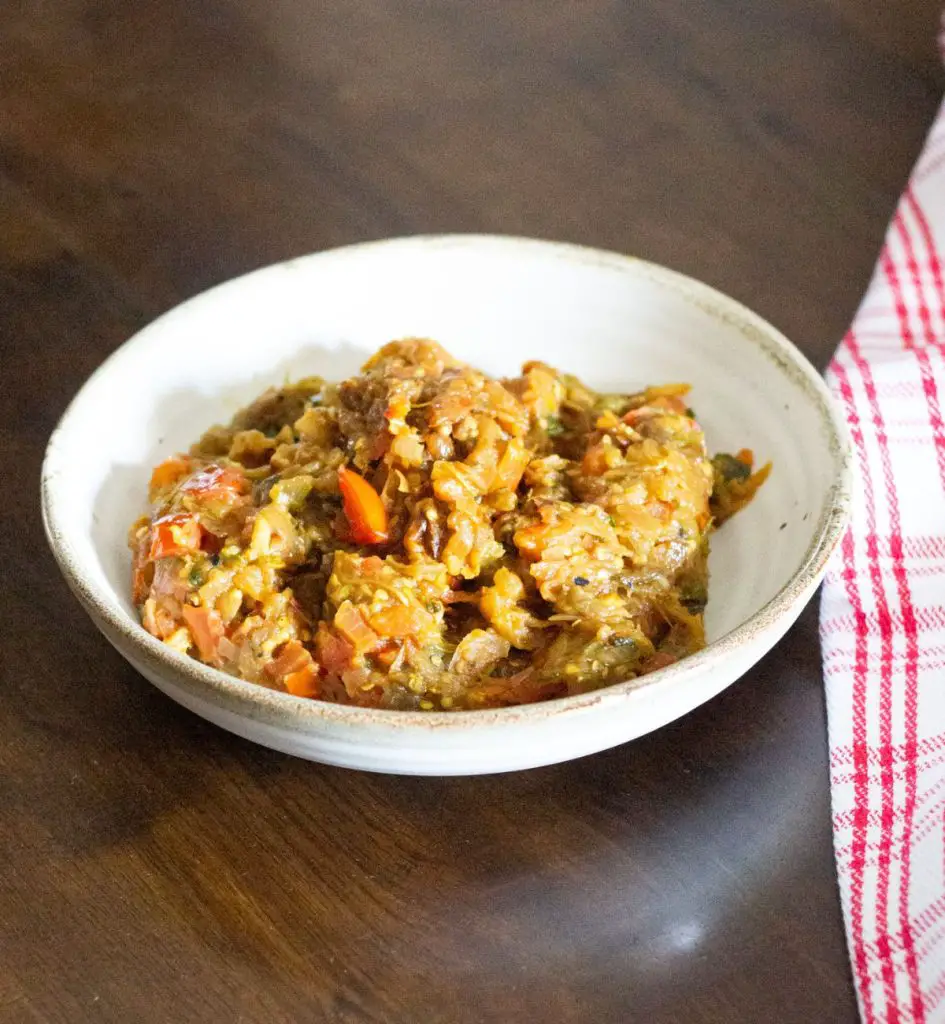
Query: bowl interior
column 616, row 322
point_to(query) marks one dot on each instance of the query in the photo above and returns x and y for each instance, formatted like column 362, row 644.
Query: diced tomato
column 633, row 416
column 296, row 668
column 216, row 483
column 350, row 622
column 206, row 627
column 364, row 510
column 334, row 652
column 388, row 653
column 292, row 656
column 169, row 472
column 303, row 683
column 174, row 535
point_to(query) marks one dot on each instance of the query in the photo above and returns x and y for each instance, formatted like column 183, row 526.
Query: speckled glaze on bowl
column 615, row 321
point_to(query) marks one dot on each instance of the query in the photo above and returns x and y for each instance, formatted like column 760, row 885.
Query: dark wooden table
column 154, row 868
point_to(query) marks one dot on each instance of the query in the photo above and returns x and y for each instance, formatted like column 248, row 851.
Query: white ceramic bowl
column 617, row 322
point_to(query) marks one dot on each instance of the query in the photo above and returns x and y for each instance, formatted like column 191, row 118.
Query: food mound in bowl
column 423, row 536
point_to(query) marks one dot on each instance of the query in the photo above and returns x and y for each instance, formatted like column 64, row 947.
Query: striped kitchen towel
column 883, row 618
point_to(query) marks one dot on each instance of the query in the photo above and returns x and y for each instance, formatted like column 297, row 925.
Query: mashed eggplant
column 424, row 536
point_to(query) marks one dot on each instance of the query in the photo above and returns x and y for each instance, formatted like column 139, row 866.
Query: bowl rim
column 298, row 714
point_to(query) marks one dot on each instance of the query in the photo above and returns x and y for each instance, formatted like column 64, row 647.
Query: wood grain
column 156, row 869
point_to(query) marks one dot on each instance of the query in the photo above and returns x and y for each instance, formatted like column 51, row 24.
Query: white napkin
column 883, row 618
